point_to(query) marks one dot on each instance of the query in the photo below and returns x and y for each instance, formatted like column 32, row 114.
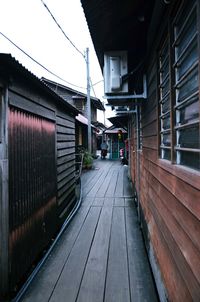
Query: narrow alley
column 101, row 255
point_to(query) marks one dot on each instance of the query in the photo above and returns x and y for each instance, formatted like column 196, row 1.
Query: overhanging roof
column 119, row 120
column 115, row 130
column 9, row 66
column 119, row 25
column 77, row 94
column 83, row 120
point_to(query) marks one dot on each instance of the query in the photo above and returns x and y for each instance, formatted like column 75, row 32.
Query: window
column 164, row 101
column 180, row 136
column 187, row 148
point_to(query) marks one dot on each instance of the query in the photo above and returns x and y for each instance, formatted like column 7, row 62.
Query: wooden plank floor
column 101, row 256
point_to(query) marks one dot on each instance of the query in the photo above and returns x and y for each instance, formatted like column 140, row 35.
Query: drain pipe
column 129, row 151
column 24, row 288
column 138, row 163
column 137, row 152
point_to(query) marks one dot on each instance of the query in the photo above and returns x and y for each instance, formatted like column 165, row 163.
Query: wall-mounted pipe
column 138, row 162
column 136, row 113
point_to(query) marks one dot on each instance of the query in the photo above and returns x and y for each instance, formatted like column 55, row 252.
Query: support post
column 88, row 102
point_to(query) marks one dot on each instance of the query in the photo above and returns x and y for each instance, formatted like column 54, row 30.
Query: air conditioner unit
column 115, row 66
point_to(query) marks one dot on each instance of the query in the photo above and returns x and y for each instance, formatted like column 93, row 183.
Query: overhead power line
column 62, row 29
column 92, row 87
column 39, row 63
column 83, row 54
column 97, row 82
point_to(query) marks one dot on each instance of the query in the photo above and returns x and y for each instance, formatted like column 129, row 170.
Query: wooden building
column 37, row 168
column 79, row 100
column 116, row 138
column 162, row 40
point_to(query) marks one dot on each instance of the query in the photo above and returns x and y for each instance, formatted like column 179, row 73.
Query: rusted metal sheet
column 32, row 189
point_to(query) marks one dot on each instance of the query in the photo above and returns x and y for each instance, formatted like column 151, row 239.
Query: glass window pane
column 164, row 83
column 190, row 159
column 166, row 122
column 166, row 139
column 189, row 113
column 188, row 33
column 187, row 62
column 186, row 53
column 165, row 88
column 164, row 52
column 190, row 86
column 166, row 154
column 165, row 106
column 189, row 137
column 164, row 71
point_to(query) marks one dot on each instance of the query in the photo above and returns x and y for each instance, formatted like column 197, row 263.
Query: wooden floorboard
column 109, row 201
column 43, row 285
column 142, row 287
column 101, row 255
column 97, row 185
column 127, row 189
column 98, row 201
column 103, row 186
column 68, row 284
column 120, row 183
column 93, row 282
column 117, row 281
column 119, row 201
column 112, row 184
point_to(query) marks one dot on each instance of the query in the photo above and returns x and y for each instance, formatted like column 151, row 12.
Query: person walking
column 104, row 149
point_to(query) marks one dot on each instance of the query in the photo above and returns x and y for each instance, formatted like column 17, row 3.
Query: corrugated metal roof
column 9, row 65
column 115, row 131
column 77, row 94
column 83, row 120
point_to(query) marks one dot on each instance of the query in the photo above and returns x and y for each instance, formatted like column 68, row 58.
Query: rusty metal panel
column 32, row 189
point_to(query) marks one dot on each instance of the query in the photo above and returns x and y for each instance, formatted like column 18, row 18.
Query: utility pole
column 88, row 101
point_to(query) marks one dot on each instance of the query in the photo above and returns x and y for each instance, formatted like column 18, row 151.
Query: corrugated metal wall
column 65, row 163
column 32, row 189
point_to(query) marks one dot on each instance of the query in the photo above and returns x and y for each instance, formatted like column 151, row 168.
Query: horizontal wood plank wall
column 170, row 200
column 65, row 128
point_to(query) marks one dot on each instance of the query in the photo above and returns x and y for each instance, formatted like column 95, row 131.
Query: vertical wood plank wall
column 170, row 200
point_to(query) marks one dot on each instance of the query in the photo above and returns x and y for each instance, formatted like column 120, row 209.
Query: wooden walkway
column 101, row 256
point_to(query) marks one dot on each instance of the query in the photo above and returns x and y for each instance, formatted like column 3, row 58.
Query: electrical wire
column 39, row 63
column 84, row 56
column 92, row 87
column 62, row 29
column 97, row 82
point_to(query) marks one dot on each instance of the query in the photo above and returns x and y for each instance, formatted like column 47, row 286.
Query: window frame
column 164, row 148
column 189, row 58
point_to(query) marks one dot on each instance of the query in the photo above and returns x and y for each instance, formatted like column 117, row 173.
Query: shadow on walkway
column 101, row 255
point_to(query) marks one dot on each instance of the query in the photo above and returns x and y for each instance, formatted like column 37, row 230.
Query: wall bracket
column 130, row 96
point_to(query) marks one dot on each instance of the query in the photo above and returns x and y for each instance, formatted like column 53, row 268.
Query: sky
column 29, row 25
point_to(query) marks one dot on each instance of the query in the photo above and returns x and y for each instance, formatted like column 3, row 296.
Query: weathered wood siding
column 65, row 128
column 169, row 195
column 37, row 172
